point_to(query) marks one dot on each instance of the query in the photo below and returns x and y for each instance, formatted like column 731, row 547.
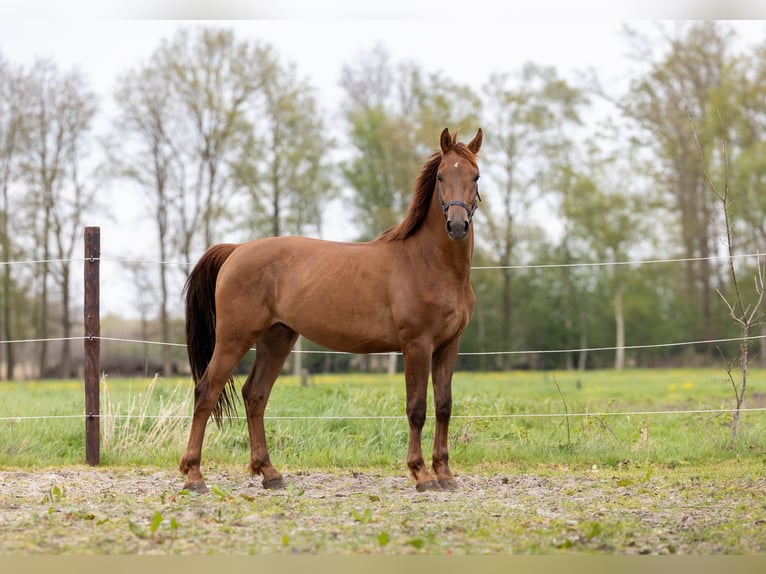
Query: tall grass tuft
column 148, row 422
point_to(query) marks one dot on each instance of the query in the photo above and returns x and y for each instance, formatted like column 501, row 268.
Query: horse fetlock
column 264, row 468
column 189, row 464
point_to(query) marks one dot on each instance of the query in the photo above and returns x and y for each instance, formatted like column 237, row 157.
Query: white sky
column 465, row 40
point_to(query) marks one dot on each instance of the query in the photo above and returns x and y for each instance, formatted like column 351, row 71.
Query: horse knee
column 255, row 403
column 416, row 413
column 443, row 410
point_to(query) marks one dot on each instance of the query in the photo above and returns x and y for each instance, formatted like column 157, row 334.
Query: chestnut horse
column 408, row 290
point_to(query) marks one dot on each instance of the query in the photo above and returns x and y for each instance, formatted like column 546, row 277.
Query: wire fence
column 474, row 268
column 386, row 417
column 595, row 414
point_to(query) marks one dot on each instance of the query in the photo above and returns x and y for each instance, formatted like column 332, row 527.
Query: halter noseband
column 471, row 210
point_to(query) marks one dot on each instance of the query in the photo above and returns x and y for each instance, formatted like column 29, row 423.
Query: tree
column 183, row 111
column 691, row 79
column 149, row 155
column 215, row 81
column 11, row 134
column 393, row 112
column 59, row 110
column 608, row 214
column 530, row 114
column 748, row 171
column 746, row 314
column 283, row 163
column 210, row 126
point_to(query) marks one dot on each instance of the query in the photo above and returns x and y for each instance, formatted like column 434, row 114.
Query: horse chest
column 443, row 314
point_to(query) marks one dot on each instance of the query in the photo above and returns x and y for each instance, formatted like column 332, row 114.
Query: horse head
column 457, row 184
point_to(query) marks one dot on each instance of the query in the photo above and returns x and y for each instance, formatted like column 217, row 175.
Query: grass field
column 352, row 421
column 631, row 462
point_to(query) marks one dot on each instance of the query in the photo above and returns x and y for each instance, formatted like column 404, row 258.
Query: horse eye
column 440, row 177
column 476, row 178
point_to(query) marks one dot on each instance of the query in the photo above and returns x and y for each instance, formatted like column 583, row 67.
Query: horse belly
column 343, row 317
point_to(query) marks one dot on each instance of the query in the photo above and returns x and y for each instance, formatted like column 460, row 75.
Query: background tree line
column 220, row 139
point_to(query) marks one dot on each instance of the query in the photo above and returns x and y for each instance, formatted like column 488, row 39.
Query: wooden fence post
column 92, row 345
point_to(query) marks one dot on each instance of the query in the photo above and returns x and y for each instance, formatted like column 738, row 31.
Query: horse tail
column 199, row 290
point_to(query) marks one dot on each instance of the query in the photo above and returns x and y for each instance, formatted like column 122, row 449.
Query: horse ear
column 446, row 141
column 475, row 144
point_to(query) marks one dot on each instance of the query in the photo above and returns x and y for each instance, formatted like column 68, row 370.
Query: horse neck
column 438, row 247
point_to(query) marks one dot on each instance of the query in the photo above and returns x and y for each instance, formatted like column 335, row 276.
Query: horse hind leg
column 209, row 388
column 271, row 351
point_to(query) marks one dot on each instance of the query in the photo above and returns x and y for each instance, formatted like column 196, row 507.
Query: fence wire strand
column 404, row 417
column 464, row 354
column 474, row 268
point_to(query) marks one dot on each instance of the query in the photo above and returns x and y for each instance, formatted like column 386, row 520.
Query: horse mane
column 421, row 200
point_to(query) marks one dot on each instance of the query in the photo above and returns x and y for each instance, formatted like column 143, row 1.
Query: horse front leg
column 444, row 361
column 417, row 364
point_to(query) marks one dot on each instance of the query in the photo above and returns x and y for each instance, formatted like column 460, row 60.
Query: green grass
column 498, row 417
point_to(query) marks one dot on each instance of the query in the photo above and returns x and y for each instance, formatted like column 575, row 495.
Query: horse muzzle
column 458, row 221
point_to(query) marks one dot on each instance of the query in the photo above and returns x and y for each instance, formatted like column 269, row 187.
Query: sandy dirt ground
column 81, row 510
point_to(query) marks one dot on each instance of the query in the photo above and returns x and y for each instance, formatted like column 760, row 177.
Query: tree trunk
column 582, row 361
column 167, row 366
column 392, row 361
column 65, row 368
column 763, row 346
column 42, row 325
column 619, row 320
column 7, row 330
column 505, row 328
column 297, row 356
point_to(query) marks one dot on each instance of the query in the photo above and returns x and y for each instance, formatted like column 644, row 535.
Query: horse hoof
column 429, row 486
column 199, row 487
column 448, row 484
column 273, row 483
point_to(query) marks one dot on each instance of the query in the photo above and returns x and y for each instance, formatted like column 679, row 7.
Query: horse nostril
column 465, row 226
column 449, row 226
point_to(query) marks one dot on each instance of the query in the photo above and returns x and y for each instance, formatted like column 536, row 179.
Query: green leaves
column 159, row 529
column 54, row 494
column 363, row 518
column 221, row 493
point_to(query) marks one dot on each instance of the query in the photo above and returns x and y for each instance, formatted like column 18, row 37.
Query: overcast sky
column 464, row 40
